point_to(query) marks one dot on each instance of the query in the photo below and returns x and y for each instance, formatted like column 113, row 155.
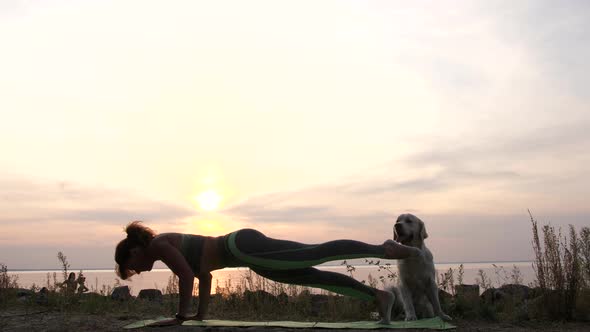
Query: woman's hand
column 167, row 322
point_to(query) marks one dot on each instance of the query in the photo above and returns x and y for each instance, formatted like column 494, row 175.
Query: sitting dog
column 417, row 287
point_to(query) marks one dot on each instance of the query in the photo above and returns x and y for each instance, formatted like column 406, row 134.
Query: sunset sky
column 308, row 120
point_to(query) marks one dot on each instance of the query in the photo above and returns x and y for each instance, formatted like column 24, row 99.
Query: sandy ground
column 55, row 321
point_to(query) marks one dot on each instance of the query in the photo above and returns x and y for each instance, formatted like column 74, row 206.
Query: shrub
column 483, row 280
column 7, row 281
column 559, row 268
column 7, row 284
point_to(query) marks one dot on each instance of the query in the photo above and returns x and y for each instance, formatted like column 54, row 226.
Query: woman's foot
column 385, row 302
column 395, row 250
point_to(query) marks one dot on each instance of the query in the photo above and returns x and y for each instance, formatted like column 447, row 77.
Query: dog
column 417, row 277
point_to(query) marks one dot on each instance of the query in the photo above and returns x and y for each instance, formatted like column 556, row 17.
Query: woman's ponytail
column 138, row 234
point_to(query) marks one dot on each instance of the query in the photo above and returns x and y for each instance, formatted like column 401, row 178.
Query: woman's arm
column 204, row 294
column 174, row 259
column 210, row 261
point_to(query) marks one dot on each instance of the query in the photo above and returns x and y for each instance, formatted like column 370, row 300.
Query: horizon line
column 165, row 268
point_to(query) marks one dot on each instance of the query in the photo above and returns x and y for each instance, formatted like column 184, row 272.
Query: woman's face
column 139, row 261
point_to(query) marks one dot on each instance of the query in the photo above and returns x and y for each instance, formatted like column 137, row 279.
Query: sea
column 494, row 274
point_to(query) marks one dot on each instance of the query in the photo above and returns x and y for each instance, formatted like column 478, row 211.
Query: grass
column 560, row 292
column 561, row 266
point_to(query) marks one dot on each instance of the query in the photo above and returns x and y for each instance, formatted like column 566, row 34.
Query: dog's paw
column 411, row 317
column 416, row 252
column 445, row 317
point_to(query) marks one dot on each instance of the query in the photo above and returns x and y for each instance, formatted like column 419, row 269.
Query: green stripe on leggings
column 279, row 264
column 345, row 291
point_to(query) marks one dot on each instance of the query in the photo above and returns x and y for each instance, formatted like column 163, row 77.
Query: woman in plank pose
column 190, row 256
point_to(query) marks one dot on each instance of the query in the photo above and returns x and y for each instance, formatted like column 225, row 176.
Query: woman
column 69, row 285
column 190, row 256
column 81, row 283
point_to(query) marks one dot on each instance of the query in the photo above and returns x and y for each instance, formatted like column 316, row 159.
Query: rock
column 121, row 293
column 23, row 292
column 515, row 293
column 491, row 296
column 467, row 291
column 150, row 295
column 518, row 293
column 444, row 296
column 466, row 298
column 42, row 296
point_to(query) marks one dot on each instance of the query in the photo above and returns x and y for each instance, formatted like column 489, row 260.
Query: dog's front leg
column 432, row 293
column 408, row 302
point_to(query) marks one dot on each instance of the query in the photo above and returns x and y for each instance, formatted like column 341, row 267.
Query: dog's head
column 409, row 230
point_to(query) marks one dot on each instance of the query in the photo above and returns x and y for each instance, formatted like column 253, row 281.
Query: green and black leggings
column 291, row 262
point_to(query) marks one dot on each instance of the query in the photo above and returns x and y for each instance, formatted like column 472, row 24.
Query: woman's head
column 129, row 254
column 71, row 276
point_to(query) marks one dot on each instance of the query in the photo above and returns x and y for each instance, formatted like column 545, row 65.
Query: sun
column 208, row 200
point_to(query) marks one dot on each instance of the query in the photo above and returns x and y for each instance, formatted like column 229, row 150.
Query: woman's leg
column 259, row 251
column 334, row 282
column 312, row 277
column 291, row 262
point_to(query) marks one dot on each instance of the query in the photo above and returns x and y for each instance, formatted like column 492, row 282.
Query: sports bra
column 192, row 249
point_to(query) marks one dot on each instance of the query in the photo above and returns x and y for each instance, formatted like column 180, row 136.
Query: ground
column 19, row 320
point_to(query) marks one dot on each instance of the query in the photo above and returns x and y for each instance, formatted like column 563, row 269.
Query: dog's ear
column 423, row 233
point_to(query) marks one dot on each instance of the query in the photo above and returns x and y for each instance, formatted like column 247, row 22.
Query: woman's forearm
column 204, row 295
column 185, row 286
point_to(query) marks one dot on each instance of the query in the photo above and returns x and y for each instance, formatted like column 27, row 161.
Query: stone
column 467, row 296
column 467, row 291
column 444, row 297
column 42, row 296
column 491, row 296
column 518, row 293
column 23, row 292
column 121, row 293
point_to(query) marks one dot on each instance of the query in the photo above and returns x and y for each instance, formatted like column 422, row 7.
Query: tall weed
column 559, row 266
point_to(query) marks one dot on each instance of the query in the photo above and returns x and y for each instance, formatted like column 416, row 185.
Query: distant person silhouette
column 81, row 283
column 69, row 285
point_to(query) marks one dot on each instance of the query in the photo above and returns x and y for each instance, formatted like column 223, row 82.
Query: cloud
column 31, row 201
column 442, row 180
column 528, row 143
column 443, row 166
column 305, row 215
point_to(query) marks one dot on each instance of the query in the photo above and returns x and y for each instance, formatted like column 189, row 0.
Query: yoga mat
column 430, row 323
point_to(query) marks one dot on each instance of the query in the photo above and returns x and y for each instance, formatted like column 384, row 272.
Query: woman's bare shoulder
column 174, row 239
